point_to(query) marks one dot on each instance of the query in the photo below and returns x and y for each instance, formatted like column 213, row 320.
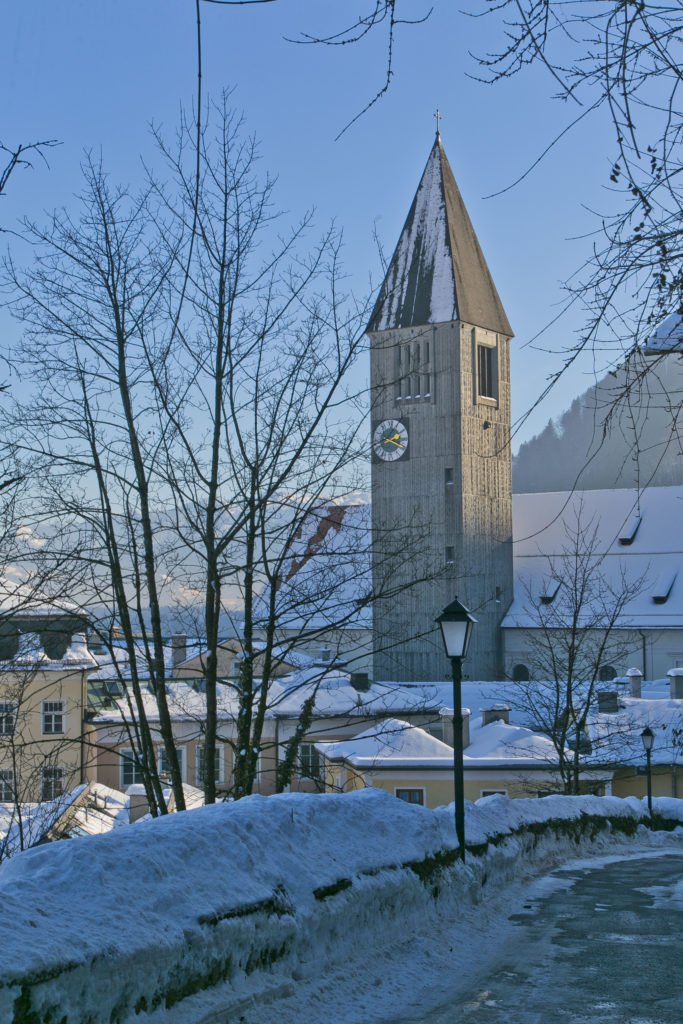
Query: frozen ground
column 596, row 942
column 339, row 909
column 480, row 969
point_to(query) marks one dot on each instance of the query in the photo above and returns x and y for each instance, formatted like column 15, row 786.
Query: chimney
column 676, row 682
column 138, row 805
column 360, row 681
column 496, row 713
column 608, row 702
column 178, row 648
column 446, row 715
column 635, row 682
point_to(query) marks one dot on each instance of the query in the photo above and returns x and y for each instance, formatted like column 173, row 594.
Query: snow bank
column 146, row 922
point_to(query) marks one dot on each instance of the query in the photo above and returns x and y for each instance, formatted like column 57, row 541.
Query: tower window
column 448, row 477
column 413, row 371
column 450, row 556
column 487, row 376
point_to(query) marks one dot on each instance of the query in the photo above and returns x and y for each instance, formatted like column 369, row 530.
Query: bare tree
column 196, row 410
column 623, row 58
column 577, row 625
column 267, row 424
column 181, row 449
column 91, row 306
column 21, row 156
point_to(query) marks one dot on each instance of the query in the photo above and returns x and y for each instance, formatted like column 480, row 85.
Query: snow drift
column 145, row 921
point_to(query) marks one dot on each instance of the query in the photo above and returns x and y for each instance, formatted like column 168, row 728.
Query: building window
column 487, row 382
column 520, row 674
column 413, row 371
column 199, row 764
column 162, row 760
column 8, row 718
column 326, row 654
column 411, row 796
column 310, row 763
column 52, row 783
column 606, row 673
column 53, row 717
column 6, row 786
column 448, row 478
column 131, row 769
column 450, row 556
column 494, row 792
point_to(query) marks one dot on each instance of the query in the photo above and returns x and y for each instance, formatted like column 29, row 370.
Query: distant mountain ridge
column 640, row 445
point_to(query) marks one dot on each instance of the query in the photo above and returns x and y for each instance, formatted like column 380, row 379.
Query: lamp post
column 456, row 625
column 648, row 738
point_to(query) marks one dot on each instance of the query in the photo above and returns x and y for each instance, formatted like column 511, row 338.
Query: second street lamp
column 456, row 625
column 648, row 738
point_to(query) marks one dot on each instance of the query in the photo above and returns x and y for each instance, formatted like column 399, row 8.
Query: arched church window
column 607, row 673
column 520, row 673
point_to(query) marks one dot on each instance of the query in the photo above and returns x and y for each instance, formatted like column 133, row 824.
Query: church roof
column 438, row 272
column 634, row 538
column 667, row 338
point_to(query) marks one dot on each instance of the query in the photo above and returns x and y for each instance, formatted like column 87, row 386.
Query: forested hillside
column 625, row 431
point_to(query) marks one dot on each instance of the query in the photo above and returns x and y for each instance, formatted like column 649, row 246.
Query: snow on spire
column 438, row 272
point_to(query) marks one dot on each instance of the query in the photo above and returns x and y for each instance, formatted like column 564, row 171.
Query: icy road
column 597, row 941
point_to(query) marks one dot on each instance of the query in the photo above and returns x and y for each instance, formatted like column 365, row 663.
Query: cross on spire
column 438, row 115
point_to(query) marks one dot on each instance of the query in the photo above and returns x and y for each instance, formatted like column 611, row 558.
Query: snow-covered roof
column 327, row 580
column 332, row 689
column 102, row 810
column 438, row 272
column 115, row 663
column 31, row 656
column 497, row 744
column 668, row 337
column 185, row 704
column 391, row 743
column 616, row 737
column 36, row 821
column 638, row 535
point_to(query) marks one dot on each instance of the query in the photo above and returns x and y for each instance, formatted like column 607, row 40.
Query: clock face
column 390, row 440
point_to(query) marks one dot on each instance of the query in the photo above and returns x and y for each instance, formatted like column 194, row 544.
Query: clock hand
column 394, row 440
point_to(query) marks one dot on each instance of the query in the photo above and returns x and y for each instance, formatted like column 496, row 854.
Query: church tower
column 441, row 463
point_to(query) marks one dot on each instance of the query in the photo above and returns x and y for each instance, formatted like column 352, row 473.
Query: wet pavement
column 596, row 943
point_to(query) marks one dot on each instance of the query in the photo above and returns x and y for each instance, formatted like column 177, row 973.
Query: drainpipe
column 277, row 748
column 84, row 708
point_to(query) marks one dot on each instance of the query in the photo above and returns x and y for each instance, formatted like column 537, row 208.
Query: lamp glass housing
column 648, row 738
column 456, row 625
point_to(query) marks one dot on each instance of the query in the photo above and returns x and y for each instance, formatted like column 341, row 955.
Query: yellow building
column 43, row 703
column 411, row 764
column 341, row 711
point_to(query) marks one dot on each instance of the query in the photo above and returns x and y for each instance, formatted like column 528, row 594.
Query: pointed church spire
column 438, row 271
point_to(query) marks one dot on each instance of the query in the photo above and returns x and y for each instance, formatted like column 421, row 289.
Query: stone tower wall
column 450, row 499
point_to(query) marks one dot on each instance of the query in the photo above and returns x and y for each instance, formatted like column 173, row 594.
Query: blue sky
column 95, row 74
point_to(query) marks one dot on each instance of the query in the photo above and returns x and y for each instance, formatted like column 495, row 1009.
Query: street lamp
column 648, row 738
column 456, row 625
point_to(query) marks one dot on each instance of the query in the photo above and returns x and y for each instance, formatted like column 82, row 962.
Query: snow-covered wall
column 145, row 921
